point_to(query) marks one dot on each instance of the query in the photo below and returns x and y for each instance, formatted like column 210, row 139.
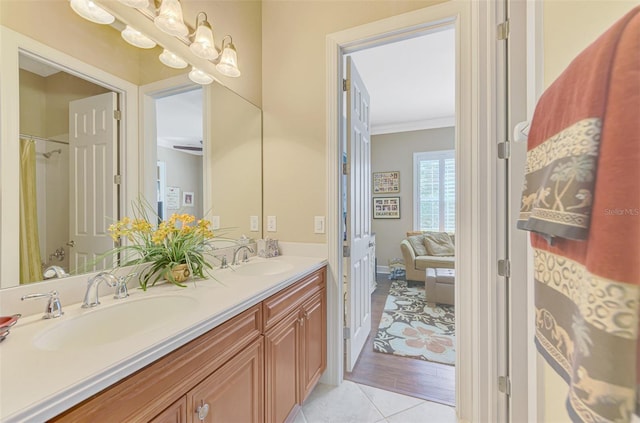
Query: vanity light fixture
column 170, row 19
column 138, row 4
column 228, row 64
column 203, row 45
column 200, row 77
column 137, row 38
column 172, row 60
column 92, row 12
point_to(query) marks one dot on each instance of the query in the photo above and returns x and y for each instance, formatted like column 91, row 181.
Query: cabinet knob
column 202, row 410
column 301, row 321
column 306, row 315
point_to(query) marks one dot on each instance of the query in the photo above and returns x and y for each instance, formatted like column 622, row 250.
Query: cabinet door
column 314, row 345
column 233, row 393
column 282, row 373
column 176, row 413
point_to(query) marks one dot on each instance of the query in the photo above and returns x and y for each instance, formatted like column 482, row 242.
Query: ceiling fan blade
column 187, row 147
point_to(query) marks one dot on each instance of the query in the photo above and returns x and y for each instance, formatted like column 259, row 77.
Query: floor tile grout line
column 380, row 411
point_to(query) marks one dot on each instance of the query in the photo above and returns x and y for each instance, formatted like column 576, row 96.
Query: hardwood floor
column 417, row 378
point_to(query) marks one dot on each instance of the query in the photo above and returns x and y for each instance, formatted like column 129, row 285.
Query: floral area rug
column 411, row 328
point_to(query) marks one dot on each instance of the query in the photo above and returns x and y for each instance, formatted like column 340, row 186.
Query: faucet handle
column 223, row 261
column 54, row 306
column 121, row 288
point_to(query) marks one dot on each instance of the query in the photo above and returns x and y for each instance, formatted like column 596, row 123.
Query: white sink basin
column 263, row 268
column 106, row 324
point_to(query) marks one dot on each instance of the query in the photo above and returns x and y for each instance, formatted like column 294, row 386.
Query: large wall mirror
column 182, row 147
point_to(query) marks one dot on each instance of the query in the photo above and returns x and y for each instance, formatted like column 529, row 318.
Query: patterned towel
column 583, row 192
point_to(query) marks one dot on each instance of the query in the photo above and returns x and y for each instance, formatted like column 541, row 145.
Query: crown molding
column 414, row 125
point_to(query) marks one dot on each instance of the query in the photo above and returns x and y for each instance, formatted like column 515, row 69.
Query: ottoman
column 439, row 286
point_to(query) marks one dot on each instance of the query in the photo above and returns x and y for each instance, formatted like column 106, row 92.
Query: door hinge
column 504, row 385
column 503, row 30
column 117, row 179
column 345, row 168
column 504, row 150
column 504, row 268
column 346, row 332
column 346, row 85
column 117, row 114
column 346, row 251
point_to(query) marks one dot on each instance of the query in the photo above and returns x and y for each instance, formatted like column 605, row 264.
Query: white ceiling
column 179, row 120
column 411, row 82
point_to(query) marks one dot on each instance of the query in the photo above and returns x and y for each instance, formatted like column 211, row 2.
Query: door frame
column 476, row 158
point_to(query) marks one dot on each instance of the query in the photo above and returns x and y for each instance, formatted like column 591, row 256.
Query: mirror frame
column 12, row 44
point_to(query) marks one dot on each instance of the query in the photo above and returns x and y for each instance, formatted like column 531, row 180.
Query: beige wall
column 33, row 104
column 395, row 152
column 293, row 99
column 569, row 27
column 184, row 171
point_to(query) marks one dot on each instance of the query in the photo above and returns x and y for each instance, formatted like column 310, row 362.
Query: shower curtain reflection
column 30, row 263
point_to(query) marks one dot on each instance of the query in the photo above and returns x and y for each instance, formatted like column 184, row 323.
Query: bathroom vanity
column 249, row 348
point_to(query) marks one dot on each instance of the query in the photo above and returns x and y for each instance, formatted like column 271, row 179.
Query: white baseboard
column 382, row 269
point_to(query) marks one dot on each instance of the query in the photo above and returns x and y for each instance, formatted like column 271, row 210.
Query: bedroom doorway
column 413, row 188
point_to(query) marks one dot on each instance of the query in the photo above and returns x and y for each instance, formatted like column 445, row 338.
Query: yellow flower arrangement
column 179, row 240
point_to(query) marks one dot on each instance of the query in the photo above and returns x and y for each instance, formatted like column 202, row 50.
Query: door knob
column 202, row 411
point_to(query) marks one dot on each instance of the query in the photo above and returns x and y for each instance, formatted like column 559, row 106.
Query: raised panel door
column 175, row 413
column 314, row 345
column 233, row 393
column 282, row 372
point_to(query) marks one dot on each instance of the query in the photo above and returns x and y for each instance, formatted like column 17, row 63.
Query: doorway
column 412, row 126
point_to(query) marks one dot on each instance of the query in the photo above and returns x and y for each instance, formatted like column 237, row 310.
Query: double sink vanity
column 247, row 345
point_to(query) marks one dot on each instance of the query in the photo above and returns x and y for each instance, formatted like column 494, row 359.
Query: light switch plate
column 271, row 224
column 318, row 224
column 254, row 224
column 215, row 222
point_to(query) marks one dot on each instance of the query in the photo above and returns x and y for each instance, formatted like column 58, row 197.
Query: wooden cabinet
column 176, row 413
column 234, row 393
column 295, row 345
column 258, row 366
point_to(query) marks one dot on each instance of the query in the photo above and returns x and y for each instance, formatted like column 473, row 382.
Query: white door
column 358, row 222
column 93, row 193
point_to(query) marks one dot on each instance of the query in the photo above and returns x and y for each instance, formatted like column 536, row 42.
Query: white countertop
column 36, row 384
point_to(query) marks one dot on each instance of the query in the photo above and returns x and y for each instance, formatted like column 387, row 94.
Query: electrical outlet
column 215, row 222
column 318, row 224
column 254, row 224
column 271, row 224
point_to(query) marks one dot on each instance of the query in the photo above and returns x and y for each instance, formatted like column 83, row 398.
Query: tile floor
column 355, row 403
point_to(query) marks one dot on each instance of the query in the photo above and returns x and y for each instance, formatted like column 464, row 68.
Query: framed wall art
column 386, row 207
column 386, row 182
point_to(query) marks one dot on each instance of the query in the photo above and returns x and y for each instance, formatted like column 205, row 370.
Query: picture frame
column 386, row 207
column 386, row 182
column 187, row 199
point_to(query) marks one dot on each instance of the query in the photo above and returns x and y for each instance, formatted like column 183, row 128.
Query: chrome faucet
column 53, row 308
column 54, row 272
column 91, row 296
column 245, row 257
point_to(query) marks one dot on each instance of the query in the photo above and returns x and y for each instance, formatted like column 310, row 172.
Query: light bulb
column 229, row 62
column 137, row 38
column 138, row 4
column 203, row 45
column 92, row 12
column 172, row 60
column 170, row 19
column 200, row 77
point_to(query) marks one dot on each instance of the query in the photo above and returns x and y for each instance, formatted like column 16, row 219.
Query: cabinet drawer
column 146, row 393
column 279, row 305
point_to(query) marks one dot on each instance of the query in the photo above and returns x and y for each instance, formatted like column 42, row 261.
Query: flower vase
column 180, row 273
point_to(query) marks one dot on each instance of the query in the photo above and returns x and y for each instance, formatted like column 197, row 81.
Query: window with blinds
column 434, row 191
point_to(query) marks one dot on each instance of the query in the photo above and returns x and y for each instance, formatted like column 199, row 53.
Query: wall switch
column 254, row 224
column 318, row 224
column 271, row 224
column 215, row 222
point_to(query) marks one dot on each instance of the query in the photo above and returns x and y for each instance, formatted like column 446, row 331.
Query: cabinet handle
column 202, row 410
